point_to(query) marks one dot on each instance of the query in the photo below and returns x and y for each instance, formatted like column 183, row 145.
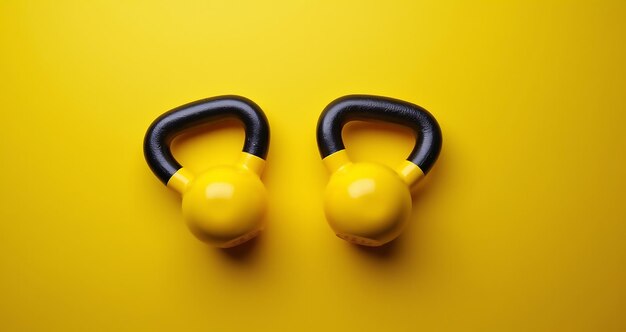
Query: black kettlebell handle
column 165, row 128
column 364, row 107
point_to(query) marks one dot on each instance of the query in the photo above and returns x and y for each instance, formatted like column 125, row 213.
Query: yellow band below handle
column 180, row 180
column 410, row 173
column 252, row 163
column 336, row 160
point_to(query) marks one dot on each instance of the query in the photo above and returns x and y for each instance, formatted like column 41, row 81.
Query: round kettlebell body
column 225, row 205
column 368, row 203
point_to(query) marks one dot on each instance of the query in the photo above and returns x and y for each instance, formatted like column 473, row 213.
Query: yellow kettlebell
column 369, row 203
column 225, row 205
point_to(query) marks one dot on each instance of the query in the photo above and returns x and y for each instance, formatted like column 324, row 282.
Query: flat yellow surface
column 521, row 225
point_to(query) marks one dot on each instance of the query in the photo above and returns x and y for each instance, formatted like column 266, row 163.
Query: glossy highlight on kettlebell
column 225, row 205
column 369, row 203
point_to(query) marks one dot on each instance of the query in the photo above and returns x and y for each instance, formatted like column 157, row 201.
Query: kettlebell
column 369, row 203
column 224, row 205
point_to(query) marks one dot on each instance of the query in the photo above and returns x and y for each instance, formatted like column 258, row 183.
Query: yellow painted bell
column 225, row 205
column 369, row 203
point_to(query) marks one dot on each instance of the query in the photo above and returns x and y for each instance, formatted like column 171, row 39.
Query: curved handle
column 165, row 128
column 364, row 107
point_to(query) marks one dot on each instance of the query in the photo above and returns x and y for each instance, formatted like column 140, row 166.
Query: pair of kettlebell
column 365, row 203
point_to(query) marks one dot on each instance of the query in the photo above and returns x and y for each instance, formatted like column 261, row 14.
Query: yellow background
column 521, row 225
